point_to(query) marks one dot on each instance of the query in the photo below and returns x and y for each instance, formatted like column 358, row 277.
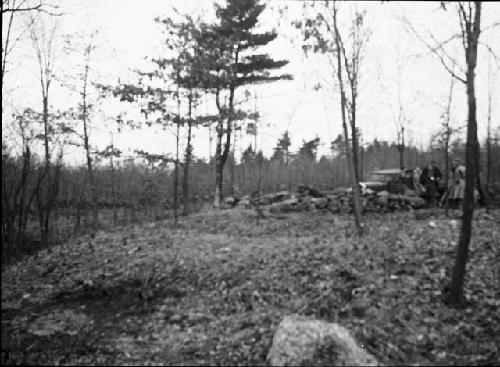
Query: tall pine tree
column 234, row 62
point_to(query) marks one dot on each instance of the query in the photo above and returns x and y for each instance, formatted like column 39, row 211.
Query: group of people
column 426, row 182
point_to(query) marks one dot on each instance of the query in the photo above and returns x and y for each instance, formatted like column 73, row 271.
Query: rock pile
column 336, row 201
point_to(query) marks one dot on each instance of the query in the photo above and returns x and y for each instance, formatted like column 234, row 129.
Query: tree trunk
column 218, row 167
column 233, row 163
column 221, row 155
column 176, row 176
column 91, row 178
column 343, row 106
column 483, row 195
column 455, row 297
column 358, row 208
column 45, row 213
column 185, row 183
column 446, row 170
column 447, row 147
column 113, row 188
column 488, row 151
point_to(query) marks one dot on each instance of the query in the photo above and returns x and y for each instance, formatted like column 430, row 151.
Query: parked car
column 395, row 181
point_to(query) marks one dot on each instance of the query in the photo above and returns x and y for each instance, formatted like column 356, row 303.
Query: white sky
column 127, row 34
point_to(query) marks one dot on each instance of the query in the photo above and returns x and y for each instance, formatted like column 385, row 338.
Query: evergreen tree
column 233, row 61
column 309, row 149
column 281, row 151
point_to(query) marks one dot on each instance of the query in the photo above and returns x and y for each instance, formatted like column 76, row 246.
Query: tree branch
column 434, row 50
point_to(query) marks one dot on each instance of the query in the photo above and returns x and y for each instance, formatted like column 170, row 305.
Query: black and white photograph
column 250, row 183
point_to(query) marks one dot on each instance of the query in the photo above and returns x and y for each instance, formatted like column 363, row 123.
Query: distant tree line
column 135, row 190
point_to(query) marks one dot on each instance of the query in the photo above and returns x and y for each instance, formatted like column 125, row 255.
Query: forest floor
column 213, row 290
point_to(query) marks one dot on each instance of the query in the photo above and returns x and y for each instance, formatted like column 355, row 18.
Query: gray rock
column 286, row 206
column 304, row 341
column 319, row 203
column 244, row 203
column 383, row 198
column 282, row 196
column 231, row 200
column 416, row 202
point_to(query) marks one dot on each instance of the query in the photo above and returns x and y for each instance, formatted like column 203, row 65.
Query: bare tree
column 43, row 37
column 444, row 138
column 470, row 22
column 345, row 54
column 10, row 10
column 351, row 70
column 20, row 184
column 88, row 46
column 82, row 47
column 469, row 17
column 488, row 133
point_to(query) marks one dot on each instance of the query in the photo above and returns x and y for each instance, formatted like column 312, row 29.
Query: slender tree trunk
column 488, row 151
column 349, row 154
column 447, row 170
column 46, row 202
column 456, row 295
column 5, row 48
column 220, row 159
column 362, row 161
column 483, row 195
column 447, row 147
column 221, row 155
column 176, row 176
column 185, row 184
column 218, row 167
column 90, row 172
column 233, row 163
column 358, row 208
column 113, row 188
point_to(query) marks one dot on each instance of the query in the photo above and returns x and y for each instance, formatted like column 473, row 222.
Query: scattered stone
column 287, row 206
column 304, row 341
column 231, row 200
column 309, row 191
column 416, row 202
column 319, row 203
column 383, row 197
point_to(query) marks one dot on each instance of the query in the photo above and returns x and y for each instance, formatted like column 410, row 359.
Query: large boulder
column 231, row 200
column 301, row 341
column 282, row 195
column 286, row 206
column 266, row 199
column 275, row 197
column 319, row 203
column 245, row 203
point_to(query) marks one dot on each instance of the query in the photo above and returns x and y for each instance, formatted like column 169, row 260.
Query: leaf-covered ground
column 212, row 291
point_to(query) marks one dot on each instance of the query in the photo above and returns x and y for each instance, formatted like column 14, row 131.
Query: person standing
column 419, row 188
column 459, row 187
column 431, row 175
